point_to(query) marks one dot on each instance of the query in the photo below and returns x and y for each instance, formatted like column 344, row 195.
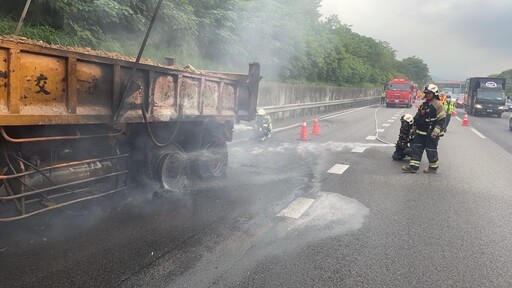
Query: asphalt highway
column 332, row 211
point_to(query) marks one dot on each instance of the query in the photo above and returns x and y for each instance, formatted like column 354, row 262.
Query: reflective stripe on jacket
column 430, row 117
column 448, row 107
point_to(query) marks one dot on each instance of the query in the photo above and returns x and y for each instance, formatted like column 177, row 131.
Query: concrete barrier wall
column 279, row 94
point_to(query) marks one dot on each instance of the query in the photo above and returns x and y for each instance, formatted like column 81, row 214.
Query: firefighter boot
column 429, row 170
column 408, row 169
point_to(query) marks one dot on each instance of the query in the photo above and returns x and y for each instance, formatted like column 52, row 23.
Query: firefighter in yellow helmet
column 442, row 97
column 448, row 108
column 264, row 123
column 428, row 125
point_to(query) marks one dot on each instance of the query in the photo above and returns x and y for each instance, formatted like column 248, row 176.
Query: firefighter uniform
column 402, row 147
column 428, row 125
column 263, row 122
column 448, row 108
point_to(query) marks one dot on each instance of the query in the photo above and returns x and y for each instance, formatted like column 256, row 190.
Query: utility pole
column 27, row 4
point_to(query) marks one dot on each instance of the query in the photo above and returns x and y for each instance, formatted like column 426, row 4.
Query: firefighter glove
column 436, row 132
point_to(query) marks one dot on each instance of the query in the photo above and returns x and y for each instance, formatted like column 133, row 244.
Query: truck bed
column 41, row 84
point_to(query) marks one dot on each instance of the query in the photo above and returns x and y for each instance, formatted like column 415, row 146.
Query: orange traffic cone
column 304, row 132
column 454, row 113
column 316, row 128
column 465, row 121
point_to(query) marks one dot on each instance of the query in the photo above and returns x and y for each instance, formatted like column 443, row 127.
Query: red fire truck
column 399, row 92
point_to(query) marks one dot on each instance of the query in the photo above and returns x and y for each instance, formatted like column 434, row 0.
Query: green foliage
column 7, row 27
column 41, row 33
column 507, row 74
column 287, row 37
column 415, row 69
column 336, row 55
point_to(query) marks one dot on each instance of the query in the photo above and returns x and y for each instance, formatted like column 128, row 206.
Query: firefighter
column 428, row 124
column 448, row 109
column 402, row 147
column 442, row 97
column 263, row 123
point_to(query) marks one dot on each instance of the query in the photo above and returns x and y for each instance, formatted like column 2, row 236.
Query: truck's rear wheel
column 213, row 157
column 170, row 168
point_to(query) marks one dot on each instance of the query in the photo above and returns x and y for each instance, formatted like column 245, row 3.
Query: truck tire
column 499, row 115
column 213, row 157
column 170, row 167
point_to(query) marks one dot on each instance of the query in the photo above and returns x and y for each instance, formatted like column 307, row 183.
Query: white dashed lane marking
column 359, row 149
column 338, row 169
column 371, row 137
column 386, row 125
column 478, row 133
column 391, row 120
column 296, row 208
column 381, row 130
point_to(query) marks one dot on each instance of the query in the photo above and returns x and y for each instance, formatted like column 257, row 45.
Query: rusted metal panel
column 228, row 99
column 164, row 100
column 189, row 97
column 116, row 87
column 201, row 95
column 14, row 87
column 15, row 120
column 43, row 84
column 94, row 88
column 3, row 80
column 211, row 98
column 48, row 85
column 71, row 84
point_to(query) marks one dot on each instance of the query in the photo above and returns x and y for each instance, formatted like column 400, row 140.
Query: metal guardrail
column 303, row 106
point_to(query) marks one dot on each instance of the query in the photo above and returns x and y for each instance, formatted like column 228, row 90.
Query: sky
column 457, row 39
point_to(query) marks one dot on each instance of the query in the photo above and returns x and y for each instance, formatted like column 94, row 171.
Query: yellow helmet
column 260, row 112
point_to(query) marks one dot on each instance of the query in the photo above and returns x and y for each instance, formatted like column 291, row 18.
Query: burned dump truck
column 77, row 124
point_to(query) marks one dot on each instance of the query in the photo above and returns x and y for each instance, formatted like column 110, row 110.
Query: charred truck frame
column 68, row 134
